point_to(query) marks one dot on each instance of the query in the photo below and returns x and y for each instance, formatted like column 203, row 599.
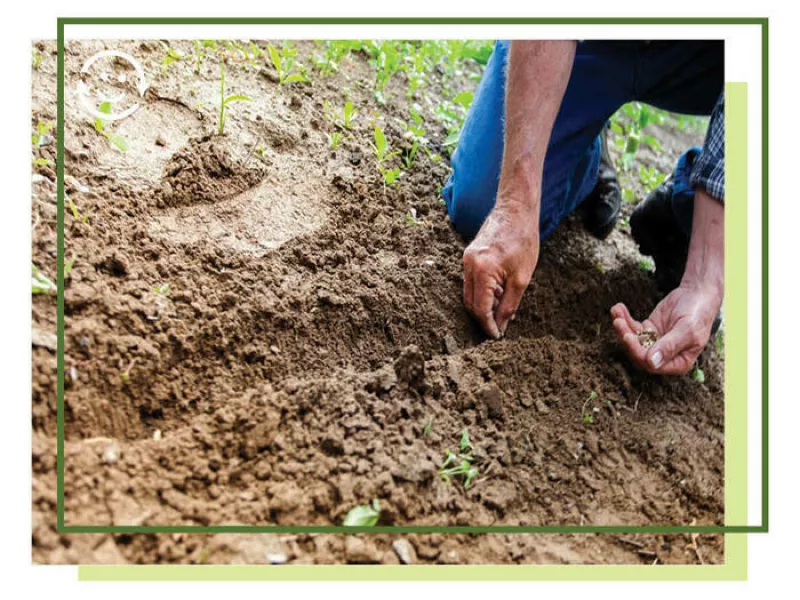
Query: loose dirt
column 309, row 333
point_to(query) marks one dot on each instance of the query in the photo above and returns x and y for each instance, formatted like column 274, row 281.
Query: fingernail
column 657, row 359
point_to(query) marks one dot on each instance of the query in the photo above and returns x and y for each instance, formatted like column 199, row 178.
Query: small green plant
column 36, row 60
column 225, row 100
column 588, row 411
column 428, row 427
column 383, row 154
column 628, row 124
column 100, row 126
column 41, row 283
column 461, row 464
column 162, row 290
column 41, row 136
column 334, row 139
column 698, row 375
column 75, row 212
column 647, row 265
column 349, row 115
column 364, row 515
column 125, row 375
column 720, row 341
column 284, row 60
column 650, row 177
column 170, row 57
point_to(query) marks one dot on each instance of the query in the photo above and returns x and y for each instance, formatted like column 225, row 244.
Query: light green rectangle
column 735, row 303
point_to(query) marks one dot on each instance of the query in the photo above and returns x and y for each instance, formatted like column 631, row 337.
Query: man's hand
column 683, row 323
column 683, row 319
column 499, row 263
column 498, row 266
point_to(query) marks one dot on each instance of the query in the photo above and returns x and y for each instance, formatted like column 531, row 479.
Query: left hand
column 683, row 322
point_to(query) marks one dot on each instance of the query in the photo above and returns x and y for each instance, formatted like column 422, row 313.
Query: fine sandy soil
column 311, row 352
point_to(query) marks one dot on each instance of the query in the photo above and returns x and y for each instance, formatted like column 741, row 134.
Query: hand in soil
column 682, row 325
column 498, row 266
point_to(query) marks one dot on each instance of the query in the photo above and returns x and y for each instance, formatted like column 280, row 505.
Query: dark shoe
column 659, row 235
column 601, row 207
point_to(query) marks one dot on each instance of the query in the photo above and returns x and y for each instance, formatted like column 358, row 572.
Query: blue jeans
column 684, row 77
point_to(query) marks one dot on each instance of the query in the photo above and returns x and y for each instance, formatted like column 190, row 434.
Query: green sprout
column 646, row 265
column 170, row 57
column 428, row 426
column 225, row 100
column 349, row 115
column 284, row 62
column 41, row 137
column 382, row 154
column 41, row 283
column 587, row 416
column 698, row 375
column 334, row 139
column 75, row 212
column 162, row 290
column 100, row 126
column 364, row 515
column 461, row 464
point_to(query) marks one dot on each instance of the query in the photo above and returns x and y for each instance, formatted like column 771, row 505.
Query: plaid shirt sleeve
column 709, row 168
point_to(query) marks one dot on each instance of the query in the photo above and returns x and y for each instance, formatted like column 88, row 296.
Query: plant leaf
column 236, row 98
column 363, row 516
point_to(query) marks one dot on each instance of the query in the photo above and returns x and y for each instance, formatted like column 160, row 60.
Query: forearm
column 705, row 264
column 537, row 77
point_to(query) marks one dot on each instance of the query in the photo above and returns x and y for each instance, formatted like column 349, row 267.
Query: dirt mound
column 204, row 172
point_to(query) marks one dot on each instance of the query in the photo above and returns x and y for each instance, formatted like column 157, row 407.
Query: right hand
column 498, row 266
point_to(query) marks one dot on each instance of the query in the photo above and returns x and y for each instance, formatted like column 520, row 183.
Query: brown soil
column 311, row 330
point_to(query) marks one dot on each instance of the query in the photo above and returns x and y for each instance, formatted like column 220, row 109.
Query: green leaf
column 236, row 98
column 293, row 78
column 698, row 375
column 363, row 516
column 120, row 142
column 105, row 108
column 380, row 142
column 40, row 283
column 464, row 99
column 391, row 176
column 465, row 446
column 275, row 57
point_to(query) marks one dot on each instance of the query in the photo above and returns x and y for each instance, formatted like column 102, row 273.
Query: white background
column 772, row 557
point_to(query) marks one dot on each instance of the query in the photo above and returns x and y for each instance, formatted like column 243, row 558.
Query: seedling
column 428, row 426
column 647, row 265
column 171, row 56
column 284, row 61
column 349, row 114
column 36, row 61
column 461, row 464
column 225, row 100
column 364, row 515
column 100, row 126
column 162, row 290
column 334, row 139
column 41, row 283
column 68, row 266
column 75, row 212
column 41, row 137
column 587, row 416
column 698, row 375
column 650, row 177
column 382, row 154
column 125, row 375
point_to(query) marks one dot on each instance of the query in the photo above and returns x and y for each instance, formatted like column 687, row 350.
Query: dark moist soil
column 312, row 353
